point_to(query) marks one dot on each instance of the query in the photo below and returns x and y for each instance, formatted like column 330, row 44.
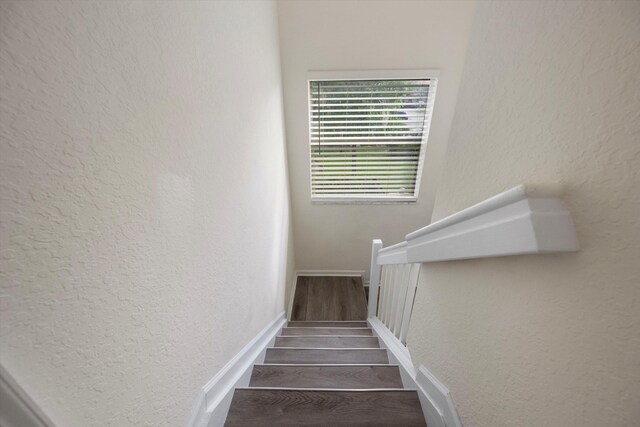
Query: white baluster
column 409, row 300
column 395, row 282
column 400, row 302
column 384, row 295
column 397, row 294
column 374, row 278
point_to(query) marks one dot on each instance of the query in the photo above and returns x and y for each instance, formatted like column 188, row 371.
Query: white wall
column 365, row 35
column 549, row 92
column 145, row 212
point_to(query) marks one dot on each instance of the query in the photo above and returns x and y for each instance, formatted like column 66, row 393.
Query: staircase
column 321, row 373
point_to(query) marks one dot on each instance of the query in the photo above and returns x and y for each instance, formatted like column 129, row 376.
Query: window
column 368, row 135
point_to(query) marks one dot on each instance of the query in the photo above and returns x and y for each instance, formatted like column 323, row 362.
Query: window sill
column 364, row 201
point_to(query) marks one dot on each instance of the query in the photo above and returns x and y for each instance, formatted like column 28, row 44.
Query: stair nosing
column 327, row 321
column 353, row 365
column 315, row 365
column 326, row 327
column 327, row 336
column 327, row 389
column 326, row 348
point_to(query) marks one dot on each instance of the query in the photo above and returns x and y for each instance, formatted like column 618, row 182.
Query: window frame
column 430, row 74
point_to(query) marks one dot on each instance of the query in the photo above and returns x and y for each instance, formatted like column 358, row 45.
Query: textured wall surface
column 144, row 210
column 550, row 92
column 365, row 35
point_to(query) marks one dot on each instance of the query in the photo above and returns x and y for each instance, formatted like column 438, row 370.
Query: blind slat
column 324, row 132
column 350, row 127
column 381, row 144
column 357, row 158
column 378, row 116
column 388, row 121
column 413, row 97
column 371, row 138
column 363, row 191
column 363, row 181
column 328, row 85
column 405, row 111
column 369, row 173
column 328, row 106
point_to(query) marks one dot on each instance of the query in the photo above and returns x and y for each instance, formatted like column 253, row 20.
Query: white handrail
column 510, row 196
column 522, row 220
column 396, row 254
column 519, row 221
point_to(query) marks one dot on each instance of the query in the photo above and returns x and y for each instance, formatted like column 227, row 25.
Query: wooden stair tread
column 328, row 342
column 364, row 376
column 326, row 367
column 259, row 407
column 326, row 356
column 329, row 324
column 288, row 331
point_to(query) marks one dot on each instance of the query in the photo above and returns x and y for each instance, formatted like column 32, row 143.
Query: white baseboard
column 17, row 409
column 212, row 404
column 439, row 395
column 437, row 405
column 341, row 273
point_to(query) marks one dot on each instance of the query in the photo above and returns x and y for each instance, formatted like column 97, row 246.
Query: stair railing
column 522, row 220
column 392, row 287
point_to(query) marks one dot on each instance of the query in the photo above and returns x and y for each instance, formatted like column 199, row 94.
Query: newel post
column 374, row 278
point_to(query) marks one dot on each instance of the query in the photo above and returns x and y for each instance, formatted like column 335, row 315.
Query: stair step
column 328, row 342
column 287, row 331
column 327, row 324
column 326, row 356
column 259, row 407
column 293, row 376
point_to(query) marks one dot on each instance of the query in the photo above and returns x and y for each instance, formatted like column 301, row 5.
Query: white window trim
column 431, row 74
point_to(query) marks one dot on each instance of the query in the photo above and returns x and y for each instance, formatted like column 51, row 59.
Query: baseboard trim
column 439, row 395
column 17, row 408
column 341, row 273
column 437, row 405
column 212, row 403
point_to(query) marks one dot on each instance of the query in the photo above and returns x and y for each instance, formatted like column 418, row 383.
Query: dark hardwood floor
column 329, row 298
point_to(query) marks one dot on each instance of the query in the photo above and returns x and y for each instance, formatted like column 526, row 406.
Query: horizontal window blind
column 366, row 137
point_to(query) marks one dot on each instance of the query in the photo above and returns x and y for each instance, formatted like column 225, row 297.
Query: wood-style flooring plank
column 328, row 342
column 321, row 408
column 364, row 377
column 358, row 305
column 331, row 356
column 299, row 308
column 344, row 300
column 321, row 302
column 329, row 298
